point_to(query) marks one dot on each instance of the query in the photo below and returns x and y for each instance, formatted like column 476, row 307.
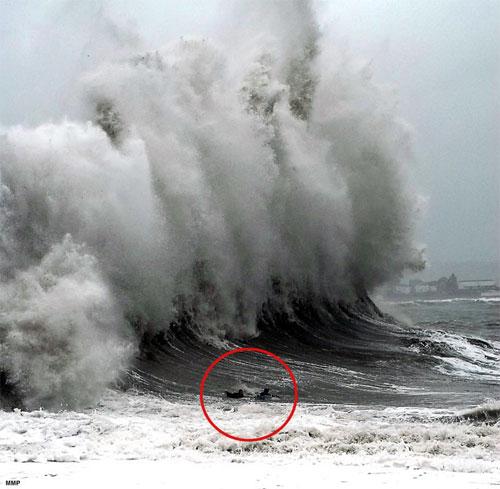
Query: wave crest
column 199, row 176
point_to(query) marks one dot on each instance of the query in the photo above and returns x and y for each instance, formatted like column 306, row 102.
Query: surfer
column 265, row 395
column 235, row 395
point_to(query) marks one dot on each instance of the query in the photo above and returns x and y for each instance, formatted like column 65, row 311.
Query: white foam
column 143, row 427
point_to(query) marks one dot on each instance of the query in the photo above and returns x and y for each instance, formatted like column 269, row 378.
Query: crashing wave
column 198, row 179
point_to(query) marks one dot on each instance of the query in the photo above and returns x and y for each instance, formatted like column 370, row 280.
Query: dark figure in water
column 265, row 395
column 235, row 395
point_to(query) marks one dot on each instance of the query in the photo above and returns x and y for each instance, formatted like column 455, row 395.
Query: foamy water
column 135, row 426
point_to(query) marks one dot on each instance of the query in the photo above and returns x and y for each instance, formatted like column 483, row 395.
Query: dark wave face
column 339, row 353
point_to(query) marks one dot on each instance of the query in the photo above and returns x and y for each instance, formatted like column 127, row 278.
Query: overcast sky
column 442, row 56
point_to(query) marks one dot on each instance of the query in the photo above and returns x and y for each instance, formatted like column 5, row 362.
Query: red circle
column 258, row 350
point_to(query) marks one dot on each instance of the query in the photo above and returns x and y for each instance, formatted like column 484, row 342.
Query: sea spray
column 63, row 337
column 196, row 177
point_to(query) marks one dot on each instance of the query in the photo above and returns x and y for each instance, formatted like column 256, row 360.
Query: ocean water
column 436, row 354
column 247, row 190
column 445, row 419
column 470, row 327
column 479, row 317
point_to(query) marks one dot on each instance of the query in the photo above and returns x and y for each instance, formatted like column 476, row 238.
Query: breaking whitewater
column 244, row 191
column 441, row 426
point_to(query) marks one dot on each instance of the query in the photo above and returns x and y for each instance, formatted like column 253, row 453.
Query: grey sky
column 441, row 55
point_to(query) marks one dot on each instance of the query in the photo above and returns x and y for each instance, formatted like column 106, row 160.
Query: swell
column 185, row 182
column 340, row 352
column 350, row 353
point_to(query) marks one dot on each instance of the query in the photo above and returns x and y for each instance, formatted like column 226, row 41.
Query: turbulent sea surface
column 427, row 401
column 439, row 353
column 248, row 190
column 445, row 416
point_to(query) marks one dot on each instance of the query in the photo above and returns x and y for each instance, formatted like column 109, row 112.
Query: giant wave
column 248, row 188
